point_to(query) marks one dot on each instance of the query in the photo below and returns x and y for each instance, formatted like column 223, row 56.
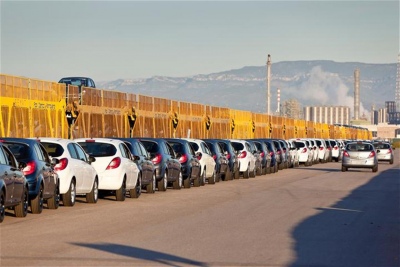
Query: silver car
column 384, row 151
column 359, row 155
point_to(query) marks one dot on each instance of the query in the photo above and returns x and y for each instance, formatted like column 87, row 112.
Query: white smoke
column 327, row 89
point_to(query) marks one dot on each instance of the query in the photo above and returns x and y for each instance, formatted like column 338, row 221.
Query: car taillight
column 336, row 148
column 114, row 163
column 262, row 154
column 278, row 152
column 215, row 157
column 157, row 159
column 304, row 150
column 228, row 156
column 30, row 168
column 372, row 154
column 321, row 148
column 271, row 153
column 242, row 155
column 329, row 148
column 284, row 150
column 345, row 154
column 198, row 156
column 389, row 151
column 183, row 158
column 61, row 165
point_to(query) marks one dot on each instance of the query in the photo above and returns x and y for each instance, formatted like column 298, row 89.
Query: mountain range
column 311, row 83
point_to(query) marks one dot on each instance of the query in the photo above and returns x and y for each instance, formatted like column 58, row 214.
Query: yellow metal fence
column 33, row 108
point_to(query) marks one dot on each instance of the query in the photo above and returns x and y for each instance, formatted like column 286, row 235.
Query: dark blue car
column 168, row 168
column 220, row 158
column 191, row 167
column 39, row 172
column 272, row 151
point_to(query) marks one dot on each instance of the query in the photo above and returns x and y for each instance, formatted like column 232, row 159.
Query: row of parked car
column 51, row 170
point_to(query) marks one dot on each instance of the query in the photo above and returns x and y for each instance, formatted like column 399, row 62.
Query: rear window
column 150, row 146
column 299, row 144
column 54, row 150
column 381, row 146
column 20, row 151
column 359, row 147
column 237, row 146
column 97, row 149
column 177, row 147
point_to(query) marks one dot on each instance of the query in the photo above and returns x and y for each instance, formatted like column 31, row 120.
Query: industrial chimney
column 278, row 96
column 356, row 94
column 269, row 84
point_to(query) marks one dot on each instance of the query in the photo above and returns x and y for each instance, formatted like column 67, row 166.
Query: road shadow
column 362, row 229
column 142, row 254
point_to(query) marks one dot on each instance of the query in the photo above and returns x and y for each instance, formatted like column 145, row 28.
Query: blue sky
column 130, row 39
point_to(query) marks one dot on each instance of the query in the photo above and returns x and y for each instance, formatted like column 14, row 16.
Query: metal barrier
column 34, row 108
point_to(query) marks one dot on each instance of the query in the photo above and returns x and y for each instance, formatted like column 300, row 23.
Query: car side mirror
column 92, row 159
column 378, row 151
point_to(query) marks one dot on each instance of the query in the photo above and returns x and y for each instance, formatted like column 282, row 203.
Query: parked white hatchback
column 75, row 170
column 247, row 160
column 115, row 166
column 207, row 162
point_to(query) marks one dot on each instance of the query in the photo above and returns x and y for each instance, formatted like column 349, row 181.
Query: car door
column 7, row 176
column 130, row 166
column 210, row 162
column 173, row 163
column 44, row 166
column 147, row 165
column 87, row 171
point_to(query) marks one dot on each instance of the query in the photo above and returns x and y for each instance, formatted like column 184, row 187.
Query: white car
column 75, row 171
column 247, row 160
column 207, row 162
column 336, row 151
column 323, row 153
column 294, row 153
column 305, row 154
column 115, row 166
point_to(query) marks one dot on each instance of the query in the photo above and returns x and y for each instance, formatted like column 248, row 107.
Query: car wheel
column 54, row 202
column 197, row 181
column 203, row 178
column 93, row 196
column 228, row 174
column 2, row 207
column 177, row 184
column 120, row 194
column 344, row 168
column 237, row 173
column 260, row 171
column 162, row 184
column 375, row 168
column 21, row 210
column 391, row 161
column 37, row 202
column 211, row 180
column 246, row 174
column 151, row 188
column 337, row 159
column 137, row 191
column 253, row 172
column 69, row 197
column 187, row 183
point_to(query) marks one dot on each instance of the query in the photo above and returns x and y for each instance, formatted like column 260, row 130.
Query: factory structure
column 328, row 114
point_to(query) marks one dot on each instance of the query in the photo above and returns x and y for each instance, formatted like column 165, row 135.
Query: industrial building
column 328, row 114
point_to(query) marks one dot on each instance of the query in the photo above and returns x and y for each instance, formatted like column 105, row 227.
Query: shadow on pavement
column 362, row 229
column 142, row 254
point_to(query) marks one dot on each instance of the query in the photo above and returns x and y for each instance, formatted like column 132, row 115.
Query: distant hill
column 319, row 82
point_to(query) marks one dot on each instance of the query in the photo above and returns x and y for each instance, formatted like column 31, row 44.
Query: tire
column 151, row 188
column 268, row 170
column 344, row 168
column 253, row 173
column 37, row 202
column 197, row 181
column 93, row 196
column 337, row 159
column 280, row 166
column 187, row 183
column 2, row 207
column 237, row 174
column 391, row 161
column 211, row 180
column 21, row 210
column 228, row 174
column 246, row 174
column 54, row 202
column 276, row 167
column 375, row 168
column 120, row 194
column 177, row 184
column 162, row 184
column 69, row 197
column 137, row 191
column 260, row 171
column 203, row 178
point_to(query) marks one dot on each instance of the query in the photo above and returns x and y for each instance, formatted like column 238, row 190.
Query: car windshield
column 97, row 149
column 54, row 150
column 359, row 147
column 74, row 81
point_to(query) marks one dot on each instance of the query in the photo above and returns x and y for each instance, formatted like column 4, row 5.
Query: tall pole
column 269, row 84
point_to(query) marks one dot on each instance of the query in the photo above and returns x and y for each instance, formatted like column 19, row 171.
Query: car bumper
column 358, row 163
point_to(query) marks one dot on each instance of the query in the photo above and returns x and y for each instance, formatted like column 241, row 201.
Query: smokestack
column 356, row 94
column 278, row 94
column 269, row 84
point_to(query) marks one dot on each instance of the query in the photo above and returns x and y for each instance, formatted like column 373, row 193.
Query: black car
column 265, row 157
column 14, row 190
column 39, row 171
column 78, row 81
column 220, row 159
column 286, row 152
column 168, row 168
column 143, row 159
column 257, row 154
column 191, row 167
column 231, row 155
column 281, row 156
column 272, row 152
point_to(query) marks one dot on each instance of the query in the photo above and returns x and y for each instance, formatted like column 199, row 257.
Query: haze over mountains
column 320, row 82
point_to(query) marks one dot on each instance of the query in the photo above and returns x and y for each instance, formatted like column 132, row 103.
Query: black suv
column 39, row 171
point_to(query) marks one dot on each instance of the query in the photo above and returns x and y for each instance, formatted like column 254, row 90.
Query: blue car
column 39, row 172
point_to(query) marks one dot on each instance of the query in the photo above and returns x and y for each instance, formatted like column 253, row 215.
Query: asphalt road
column 307, row 216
